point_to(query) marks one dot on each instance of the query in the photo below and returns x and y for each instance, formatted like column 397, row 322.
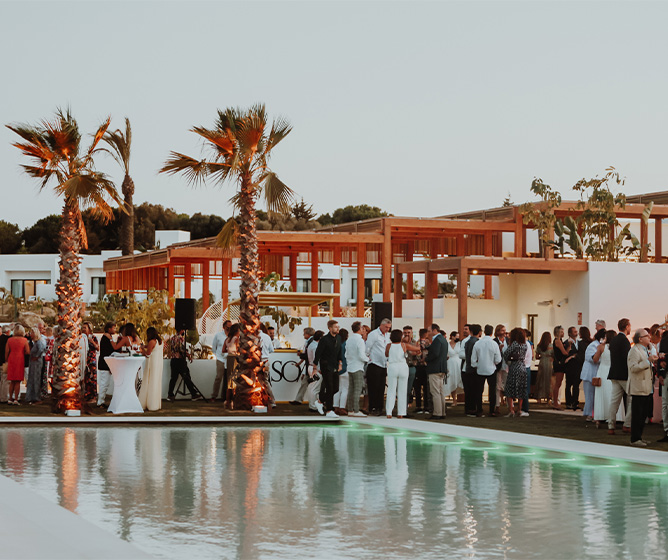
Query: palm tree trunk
column 128, row 217
column 66, row 384
column 250, row 356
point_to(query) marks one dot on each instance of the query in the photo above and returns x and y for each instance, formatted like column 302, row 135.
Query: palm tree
column 53, row 149
column 241, row 144
column 120, row 144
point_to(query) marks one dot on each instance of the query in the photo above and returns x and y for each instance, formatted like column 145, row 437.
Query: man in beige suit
column 639, row 385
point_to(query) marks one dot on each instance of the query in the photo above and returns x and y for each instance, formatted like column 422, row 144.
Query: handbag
column 596, row 381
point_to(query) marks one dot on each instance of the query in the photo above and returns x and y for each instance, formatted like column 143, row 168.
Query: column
column 225, row 290
column 409, row 275
column 658, row 240
column 314, row 279
column 398, row 293
column 361, row 259
column 336, row 307
column 205, row 286
column 488, row 253
column 462, row 296
column 429, row 295
column 187, row 279
column 170, row 284
column 387, row 261
column 293, row 271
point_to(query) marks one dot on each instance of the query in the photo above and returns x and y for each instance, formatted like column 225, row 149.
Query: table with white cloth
column 124, row 372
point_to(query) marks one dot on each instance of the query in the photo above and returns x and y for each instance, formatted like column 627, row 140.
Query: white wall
column 166, row 237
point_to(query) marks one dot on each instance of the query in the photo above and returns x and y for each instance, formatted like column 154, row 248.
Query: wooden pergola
column 463, row 266
column 451, row 244
column 294, row 299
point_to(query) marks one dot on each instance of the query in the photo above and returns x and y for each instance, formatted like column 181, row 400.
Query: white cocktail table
column 124, row 371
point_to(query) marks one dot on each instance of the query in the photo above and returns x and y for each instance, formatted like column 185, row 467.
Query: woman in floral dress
column 516, row 384
column 90, row 377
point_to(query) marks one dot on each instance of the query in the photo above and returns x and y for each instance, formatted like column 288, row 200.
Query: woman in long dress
column 590, row 370
column 33, row 383
column 516, row 384
column 545, row 355
column 454, row 383
column 16, row 350
column 603, row 392
column 397, row 373
column 559, row 364
column 150, row 393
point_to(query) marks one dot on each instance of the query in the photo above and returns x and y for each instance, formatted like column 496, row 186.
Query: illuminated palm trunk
column 250, row 355
column 66, row 386
column 127, row 241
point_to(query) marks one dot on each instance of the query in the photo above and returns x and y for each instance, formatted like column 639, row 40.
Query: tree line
column 43, row 235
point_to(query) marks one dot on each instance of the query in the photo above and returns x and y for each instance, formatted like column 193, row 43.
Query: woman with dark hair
column 545, row 355
column 90, row 377
column 150, row 393
column 231, row 348
column 341, row 396
column 560, row 355
column 516, row 384
column 590, row 370
column 130, row 338
column 107, row 348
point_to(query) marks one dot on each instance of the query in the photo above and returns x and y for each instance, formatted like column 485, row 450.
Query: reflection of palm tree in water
column 252, row 457
column 69, row 497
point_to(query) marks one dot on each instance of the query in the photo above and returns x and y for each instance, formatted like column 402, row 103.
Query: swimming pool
column 351, row 491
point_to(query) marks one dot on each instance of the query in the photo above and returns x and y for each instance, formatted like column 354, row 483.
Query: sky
column 420, row 108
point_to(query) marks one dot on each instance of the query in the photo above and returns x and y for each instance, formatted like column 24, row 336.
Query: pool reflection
column 292, row 492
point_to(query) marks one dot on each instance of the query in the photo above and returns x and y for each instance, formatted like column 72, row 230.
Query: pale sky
column 421, row 108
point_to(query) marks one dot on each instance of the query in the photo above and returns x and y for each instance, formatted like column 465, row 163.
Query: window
column 98, row 286
column 26, row 288
column 371, row 287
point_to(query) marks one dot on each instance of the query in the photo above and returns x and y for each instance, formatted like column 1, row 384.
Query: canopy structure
column 294, row 299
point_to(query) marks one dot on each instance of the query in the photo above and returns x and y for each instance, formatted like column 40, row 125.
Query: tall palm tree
column 55, row 157
column 241, row 143
column 120, row 143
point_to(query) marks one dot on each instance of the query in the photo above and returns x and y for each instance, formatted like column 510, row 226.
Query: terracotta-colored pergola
column 453, row 244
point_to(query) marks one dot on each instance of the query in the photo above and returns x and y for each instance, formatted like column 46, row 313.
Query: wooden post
column 658, row 240
column 226, row 269
column 644, row 237
column 205, row 286
column 409, row 275
column 429, row 296
column 187, row 279
column 314, row 278
column 488, row 253
column 386, row 262
column 462, row 296
column 519, row 235
column 398, row 294
column 170, row 284
column 293, row 271
column 434, row 277
column 361, row 259
column 335, row 305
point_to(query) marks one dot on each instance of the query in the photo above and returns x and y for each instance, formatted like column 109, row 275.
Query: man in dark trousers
column 437, row 369
column 619, row 375
column 179, row 366
column 470, row 376
column 329, row 356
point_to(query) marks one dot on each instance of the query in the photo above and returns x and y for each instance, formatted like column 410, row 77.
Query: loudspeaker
column 380, row 310
column 184, row 314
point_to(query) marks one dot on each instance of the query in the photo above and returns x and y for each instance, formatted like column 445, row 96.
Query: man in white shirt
column 485, row 357
column 356, row 359
column 271, row 331
column 221, row 359
column 376, row 372
column 267, row 350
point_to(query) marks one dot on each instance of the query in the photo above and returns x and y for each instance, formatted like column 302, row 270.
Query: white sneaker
column 320, row 408
column 331, row 414
column 524, row 413
column 638, row 443
column 358, row 414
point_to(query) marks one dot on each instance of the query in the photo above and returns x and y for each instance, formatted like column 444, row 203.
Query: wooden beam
column 187, row 280
column 335, row 308
column 462, row 297
column 361, row 258
column 315, row 287
column 409, row 275
column 205, row 286
column 312, row 238
column 519, row 235
column 447, row 226
column 450, row 265
column 419, row 267
column 644, row 238
column 225, row 289
column 398, row 295
column 658, row 240
column 170, row 284
column 293, row 271
column 487, row 249
column 386, row 262
column 429, row 297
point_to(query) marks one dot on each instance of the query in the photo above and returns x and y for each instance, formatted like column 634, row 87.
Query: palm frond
column 99, row 134
column 224, row 143
column 121, row 145
column 279, row 130
column 83, row 186
column 228, row 236
column 195, row 171
column 277, row 194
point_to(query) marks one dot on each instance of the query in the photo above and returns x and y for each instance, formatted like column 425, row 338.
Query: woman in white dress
column 603, row 392
column 454, row 383
column 150, row 393
column 397, row 373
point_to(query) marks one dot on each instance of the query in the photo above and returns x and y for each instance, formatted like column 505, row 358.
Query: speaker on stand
column 184, row 314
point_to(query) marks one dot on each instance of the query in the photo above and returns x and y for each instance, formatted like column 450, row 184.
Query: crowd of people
column 382, row 370
column 29, row 357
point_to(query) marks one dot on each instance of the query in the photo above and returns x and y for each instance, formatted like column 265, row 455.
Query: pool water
column 350, row 491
